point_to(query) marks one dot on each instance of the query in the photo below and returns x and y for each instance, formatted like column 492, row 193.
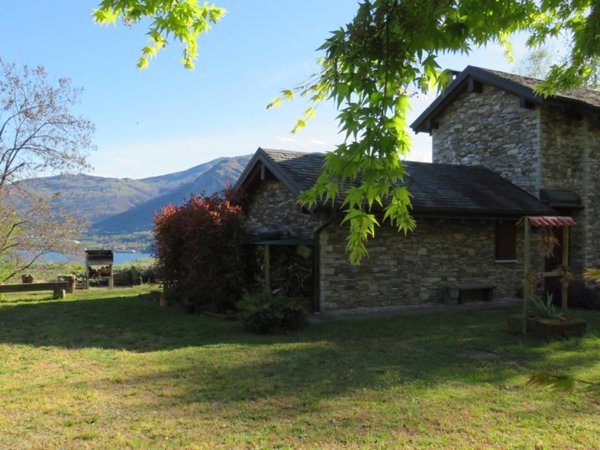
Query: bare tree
column 539, row 61
column 38, row 132
column 39, row 135
column 31, row 229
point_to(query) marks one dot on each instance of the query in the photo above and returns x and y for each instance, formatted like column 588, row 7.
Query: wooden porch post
column 565, row 263
column 526, row 268
column 111, row 280
column 267, row 268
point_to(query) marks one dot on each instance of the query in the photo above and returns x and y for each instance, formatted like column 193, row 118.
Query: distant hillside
column 91, row 197
column 139, row 218
column 99, row 199
column 170, row 181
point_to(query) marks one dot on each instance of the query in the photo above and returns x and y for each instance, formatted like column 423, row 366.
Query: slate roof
column 437, row 189
column 586, row 96
column 579, row 99
column 303, row 168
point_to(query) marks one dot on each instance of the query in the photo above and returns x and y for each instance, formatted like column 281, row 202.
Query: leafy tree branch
column 181, row 20
column 374, row 65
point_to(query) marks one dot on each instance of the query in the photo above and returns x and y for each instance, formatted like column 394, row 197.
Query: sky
column 166, row 118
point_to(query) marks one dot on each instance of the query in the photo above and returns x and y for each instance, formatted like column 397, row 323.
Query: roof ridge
column 509, row 75
column 444, row 164
column 437, row 188
column 282, row 150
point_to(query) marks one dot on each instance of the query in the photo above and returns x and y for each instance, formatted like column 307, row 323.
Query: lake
column 119, row 257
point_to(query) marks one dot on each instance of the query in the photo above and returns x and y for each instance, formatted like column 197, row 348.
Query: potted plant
column 548, row 322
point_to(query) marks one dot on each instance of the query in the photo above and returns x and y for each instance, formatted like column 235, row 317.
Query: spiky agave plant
column 546, row 309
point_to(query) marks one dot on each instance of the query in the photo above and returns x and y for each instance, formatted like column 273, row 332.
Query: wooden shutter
column 506, row 241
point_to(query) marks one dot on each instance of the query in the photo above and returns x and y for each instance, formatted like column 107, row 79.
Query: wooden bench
column 70, row 280
column 59, row 288
column 459, row 294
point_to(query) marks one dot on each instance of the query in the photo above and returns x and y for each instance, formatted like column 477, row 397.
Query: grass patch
column 112, row 369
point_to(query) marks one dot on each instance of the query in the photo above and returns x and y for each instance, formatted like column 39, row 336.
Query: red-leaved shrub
column 203, row 254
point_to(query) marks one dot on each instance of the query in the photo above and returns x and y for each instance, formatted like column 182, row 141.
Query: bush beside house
column 203, row 254
column 267, row 312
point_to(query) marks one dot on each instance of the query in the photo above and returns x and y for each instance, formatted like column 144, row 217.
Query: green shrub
column 265, row 312
column 546, row 310
column 134, row 274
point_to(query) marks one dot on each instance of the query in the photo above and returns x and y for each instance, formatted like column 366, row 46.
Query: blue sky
column 165, row 118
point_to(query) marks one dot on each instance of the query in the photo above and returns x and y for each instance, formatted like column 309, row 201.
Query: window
column 506, row 241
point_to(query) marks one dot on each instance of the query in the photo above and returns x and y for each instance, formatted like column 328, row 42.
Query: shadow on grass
column 127, row 323
column 298, row 374
column 138, row 324
column 273, row 376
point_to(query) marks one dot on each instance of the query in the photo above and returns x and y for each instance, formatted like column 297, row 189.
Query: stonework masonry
column 492, row 130
column 400, row 269
column 273, row 210
column 414, row 268
column 570, row 155
column 538, row 148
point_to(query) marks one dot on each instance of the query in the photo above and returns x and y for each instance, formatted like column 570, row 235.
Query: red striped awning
column 551, row 221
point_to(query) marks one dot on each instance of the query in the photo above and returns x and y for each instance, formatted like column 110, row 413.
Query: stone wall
column 413, row 269
column 273, row 210
column 571, row 161
column 536, row 149
column 492, row 130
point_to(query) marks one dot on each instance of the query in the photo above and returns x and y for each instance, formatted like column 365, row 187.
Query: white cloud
column 302, row 144
column 287, row 140
column 150, row 158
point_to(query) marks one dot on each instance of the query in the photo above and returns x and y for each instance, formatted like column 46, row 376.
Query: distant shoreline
column 120, row 257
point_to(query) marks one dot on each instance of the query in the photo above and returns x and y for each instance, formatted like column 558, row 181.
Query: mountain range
column 120, row 206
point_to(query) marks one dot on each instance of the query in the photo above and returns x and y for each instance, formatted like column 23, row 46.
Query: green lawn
column 111, row 369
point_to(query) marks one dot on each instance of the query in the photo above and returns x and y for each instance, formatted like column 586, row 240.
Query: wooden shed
column 99, row 265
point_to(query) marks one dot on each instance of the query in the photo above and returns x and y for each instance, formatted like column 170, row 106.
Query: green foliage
column 375, row 64
column 266, row 313
column 565, row 383
column 554, row 382
column 136, row 272
column 183, row 21
column 48, row 271
column 546, row 309
column 592, row 274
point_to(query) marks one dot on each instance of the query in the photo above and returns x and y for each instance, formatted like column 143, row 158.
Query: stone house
column 500, row 152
